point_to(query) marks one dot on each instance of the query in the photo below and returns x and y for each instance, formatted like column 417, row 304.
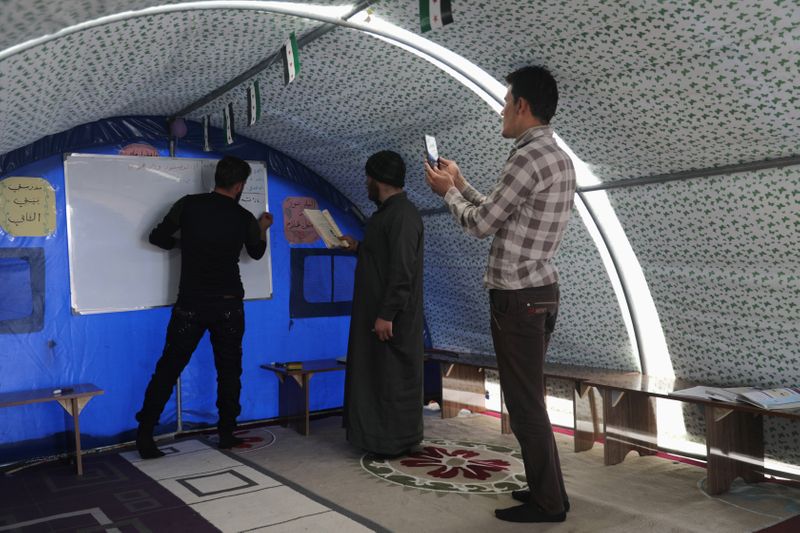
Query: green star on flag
column 434, row 14
column 206, row 142
column 227, row 116
column 253, row 103
column 291, row 59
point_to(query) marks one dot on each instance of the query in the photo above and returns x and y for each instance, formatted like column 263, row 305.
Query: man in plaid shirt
column 527, row 212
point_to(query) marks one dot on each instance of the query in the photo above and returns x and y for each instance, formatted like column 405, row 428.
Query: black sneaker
column 226, row 442
column 146, row 445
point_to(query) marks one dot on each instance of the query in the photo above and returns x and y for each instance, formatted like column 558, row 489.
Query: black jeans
column 186, row 328
column 522, row 321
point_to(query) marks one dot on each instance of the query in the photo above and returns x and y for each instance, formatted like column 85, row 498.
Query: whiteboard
column 113, row 202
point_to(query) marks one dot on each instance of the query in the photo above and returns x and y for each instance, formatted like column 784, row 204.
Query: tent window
column 22, row 287
column 322, row 282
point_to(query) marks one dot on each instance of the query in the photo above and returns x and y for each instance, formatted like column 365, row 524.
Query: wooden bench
column 734, row 432
column 73, row 399
column 293, row 404
column 463, row 387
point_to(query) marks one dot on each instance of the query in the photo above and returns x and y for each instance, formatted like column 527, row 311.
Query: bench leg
column 73, row 407
column 505, row 421
column 76, row 411
column 293, row 402
column 463, row 387
column 585, row 419
column 734, row 447
column 630, row 424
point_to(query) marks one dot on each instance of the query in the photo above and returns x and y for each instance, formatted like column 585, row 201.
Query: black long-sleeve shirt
column 213, row 227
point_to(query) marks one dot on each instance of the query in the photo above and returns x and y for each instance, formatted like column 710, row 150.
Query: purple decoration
column 177, row 128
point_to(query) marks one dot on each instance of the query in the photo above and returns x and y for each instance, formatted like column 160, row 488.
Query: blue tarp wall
column 118, row 351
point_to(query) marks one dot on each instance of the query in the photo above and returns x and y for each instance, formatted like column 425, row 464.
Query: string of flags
column 253, row 103
column 432, row 14
column 290, row 57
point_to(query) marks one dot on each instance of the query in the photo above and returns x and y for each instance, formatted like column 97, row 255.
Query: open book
column 326, row 228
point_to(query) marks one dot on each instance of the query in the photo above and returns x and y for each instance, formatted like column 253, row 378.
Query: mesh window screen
column 322, row 282
column 21, row 290
column 15, row 286
column 318, row 279
column 344, row 270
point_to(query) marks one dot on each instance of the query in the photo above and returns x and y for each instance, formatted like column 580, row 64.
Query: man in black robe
column 383, row 384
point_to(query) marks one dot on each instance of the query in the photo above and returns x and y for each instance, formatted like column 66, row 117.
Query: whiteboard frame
column 70, row 252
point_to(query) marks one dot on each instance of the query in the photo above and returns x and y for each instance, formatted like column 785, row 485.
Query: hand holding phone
column 431, row 151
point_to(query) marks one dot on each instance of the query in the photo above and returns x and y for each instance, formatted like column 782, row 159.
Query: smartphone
column 431, row 150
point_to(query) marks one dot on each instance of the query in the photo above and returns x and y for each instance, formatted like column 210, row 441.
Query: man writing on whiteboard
column 213, row 229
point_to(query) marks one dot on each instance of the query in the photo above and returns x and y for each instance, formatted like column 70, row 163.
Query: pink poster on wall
column 296, row 227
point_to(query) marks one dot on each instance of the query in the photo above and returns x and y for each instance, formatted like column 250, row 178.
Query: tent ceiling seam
column 697, row 173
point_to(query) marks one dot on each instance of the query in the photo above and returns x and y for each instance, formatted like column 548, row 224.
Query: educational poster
column 296, row 226
column 27, row 207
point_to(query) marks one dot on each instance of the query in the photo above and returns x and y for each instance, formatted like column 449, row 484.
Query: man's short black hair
column 231, row 170
column 538, row 87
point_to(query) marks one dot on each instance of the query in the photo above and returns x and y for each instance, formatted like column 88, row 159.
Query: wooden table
column 294, row 386
column 73, row 403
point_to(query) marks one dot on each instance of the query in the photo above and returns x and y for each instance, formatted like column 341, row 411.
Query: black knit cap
column 387, row 167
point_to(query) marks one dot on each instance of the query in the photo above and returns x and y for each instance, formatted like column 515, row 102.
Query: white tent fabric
column 647, row 88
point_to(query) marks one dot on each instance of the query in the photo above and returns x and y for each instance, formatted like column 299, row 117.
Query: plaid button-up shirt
column 527, row 212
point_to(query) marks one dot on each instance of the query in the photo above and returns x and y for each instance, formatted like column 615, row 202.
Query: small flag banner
column 206, row 142
column 228, row 120
column 291, row 59
column 253, row 103
column 434, row 14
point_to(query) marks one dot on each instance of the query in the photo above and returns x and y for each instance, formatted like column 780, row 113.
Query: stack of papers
column 781, row 398
column 709, row 393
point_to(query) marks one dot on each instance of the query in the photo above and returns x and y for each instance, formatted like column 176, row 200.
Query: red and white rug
column 453, row 466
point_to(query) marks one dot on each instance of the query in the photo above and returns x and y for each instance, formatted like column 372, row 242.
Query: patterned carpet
column 254, row 439
column 464, row 470
column 112, row 495
column 194, row 487
column 448, row 466
column 234, row 496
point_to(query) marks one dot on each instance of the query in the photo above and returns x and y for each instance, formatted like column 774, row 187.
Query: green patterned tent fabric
column 647, row 88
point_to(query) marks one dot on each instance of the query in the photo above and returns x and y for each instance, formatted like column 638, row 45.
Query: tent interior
column 680, row 259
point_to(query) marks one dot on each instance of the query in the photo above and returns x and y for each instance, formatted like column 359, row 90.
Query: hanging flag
column 434, row 14
column 206, row 142
column 253, row 103
column 291, row 59
column 228, row 120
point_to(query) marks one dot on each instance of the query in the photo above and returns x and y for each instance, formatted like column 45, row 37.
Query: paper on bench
column 709, row 393
column 780, row 398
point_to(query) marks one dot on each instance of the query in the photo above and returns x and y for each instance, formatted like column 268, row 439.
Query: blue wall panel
column 118, row 351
